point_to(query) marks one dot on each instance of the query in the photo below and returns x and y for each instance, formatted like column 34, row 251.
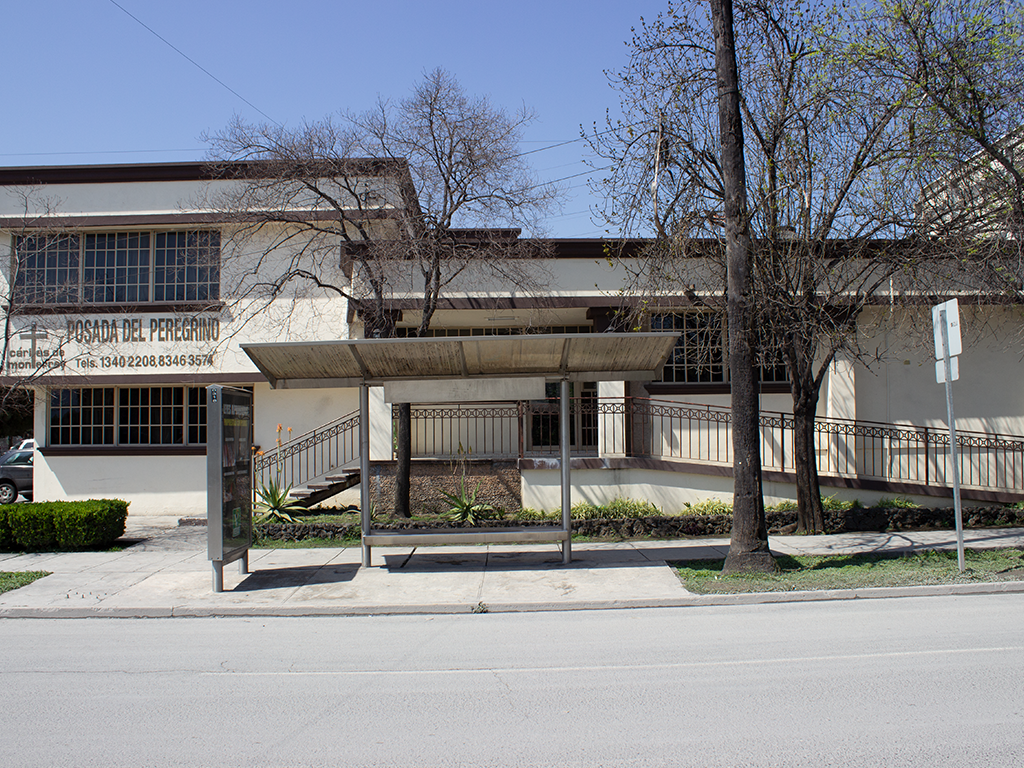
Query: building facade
column 129, row 289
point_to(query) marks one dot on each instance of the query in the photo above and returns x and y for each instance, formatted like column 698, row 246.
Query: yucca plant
column 464, row 506
column 275, row 505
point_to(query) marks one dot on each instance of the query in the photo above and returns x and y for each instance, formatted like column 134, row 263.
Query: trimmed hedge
column 61, row 525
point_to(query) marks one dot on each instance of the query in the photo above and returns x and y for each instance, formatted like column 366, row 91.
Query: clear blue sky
column 86, row 83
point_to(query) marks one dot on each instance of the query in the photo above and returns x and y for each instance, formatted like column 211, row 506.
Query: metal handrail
column 311, row 455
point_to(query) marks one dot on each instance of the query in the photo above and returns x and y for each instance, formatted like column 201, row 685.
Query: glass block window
column 187, row 266
column 47, row 270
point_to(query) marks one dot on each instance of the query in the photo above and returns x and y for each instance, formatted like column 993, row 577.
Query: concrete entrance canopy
column 378, row 362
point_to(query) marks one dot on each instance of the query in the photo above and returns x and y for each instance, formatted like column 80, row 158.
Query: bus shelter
column 415, row 370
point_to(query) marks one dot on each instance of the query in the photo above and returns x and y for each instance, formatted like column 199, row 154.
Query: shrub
column 464, row 506
column 832, row 504
column 630, row 508
column 896, row 502
column 92, row 524
column 89, row 524
column 275, row 504
column 584, row 510
column 707, row 507
column 32, row 526
column 6, row 537
column 529, row 514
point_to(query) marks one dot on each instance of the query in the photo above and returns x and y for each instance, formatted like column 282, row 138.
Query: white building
column 131, row 288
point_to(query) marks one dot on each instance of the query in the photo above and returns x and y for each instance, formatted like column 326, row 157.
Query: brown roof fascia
column 190, row 171
column 57, row 223
column 534, row 302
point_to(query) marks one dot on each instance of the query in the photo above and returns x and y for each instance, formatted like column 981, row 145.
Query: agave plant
column 465, row 508
column 275, row 505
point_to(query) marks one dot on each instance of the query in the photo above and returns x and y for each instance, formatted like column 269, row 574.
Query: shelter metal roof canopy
column 570, row 356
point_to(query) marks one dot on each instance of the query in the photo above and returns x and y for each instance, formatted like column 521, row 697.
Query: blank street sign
column 952, row 310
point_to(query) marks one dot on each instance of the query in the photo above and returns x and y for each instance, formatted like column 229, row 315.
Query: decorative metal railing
column 635, row 427
column 311, row 455
column 451, row 432
column 702, row 433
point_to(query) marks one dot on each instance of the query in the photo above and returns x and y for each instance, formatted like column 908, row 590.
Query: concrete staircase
column 325, row 487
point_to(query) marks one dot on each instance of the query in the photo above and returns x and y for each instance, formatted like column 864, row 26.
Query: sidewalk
column 167, row 574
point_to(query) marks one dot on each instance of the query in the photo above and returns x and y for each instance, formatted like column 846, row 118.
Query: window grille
column 118, row 268
column 47, row 270
column 128, row 416
column 700, row 355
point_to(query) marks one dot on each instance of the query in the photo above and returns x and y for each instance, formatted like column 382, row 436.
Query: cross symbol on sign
column 35, row 334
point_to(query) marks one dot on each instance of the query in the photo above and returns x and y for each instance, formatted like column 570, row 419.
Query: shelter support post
column 563, row 425
column 364, row 468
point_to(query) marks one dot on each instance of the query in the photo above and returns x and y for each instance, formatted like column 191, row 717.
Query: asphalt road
column 903, row 682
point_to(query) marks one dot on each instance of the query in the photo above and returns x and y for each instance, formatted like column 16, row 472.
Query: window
column 699, row 356
column 436, row 333
column 22, row 459
column 128, row 416
column 47, row 270
column 187, row 266
column 82, row 416
column 118, row 268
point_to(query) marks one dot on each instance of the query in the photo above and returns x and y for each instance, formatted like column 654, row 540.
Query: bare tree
column 826, row 156
column 442, row 169
column 33, row 343
column 962, row 61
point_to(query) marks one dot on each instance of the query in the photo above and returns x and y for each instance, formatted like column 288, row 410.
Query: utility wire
column 196, row 64
column 96, row 152
column 573, row 141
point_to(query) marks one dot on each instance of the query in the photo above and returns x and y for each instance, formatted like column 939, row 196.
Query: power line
column 572, row 141
column 97, row 152
column 196, row 64
column 574, row 176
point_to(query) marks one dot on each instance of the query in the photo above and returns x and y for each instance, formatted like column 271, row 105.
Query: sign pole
column 953, row 453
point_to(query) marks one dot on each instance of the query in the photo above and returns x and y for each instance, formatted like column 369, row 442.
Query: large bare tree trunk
column 748, row 547
column 810, row 513
column 403, row 463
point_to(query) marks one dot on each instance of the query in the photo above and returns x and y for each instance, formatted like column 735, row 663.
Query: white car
column 26, row 445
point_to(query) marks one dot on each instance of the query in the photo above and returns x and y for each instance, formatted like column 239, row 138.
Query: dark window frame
column 154, row 417
column 143, row 268
column 700, row 358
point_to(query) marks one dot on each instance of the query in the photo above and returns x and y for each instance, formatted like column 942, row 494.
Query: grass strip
column 856, row 571
column 13, row 579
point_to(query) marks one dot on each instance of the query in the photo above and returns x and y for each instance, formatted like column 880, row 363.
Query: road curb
column 687, row 601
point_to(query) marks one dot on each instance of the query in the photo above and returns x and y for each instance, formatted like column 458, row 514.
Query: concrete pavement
column 166, row 573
